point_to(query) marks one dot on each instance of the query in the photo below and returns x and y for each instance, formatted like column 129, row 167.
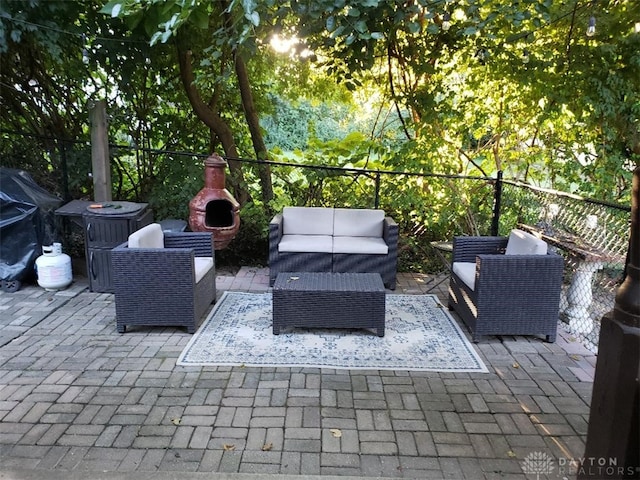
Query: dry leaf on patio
column 228, row 447
column 175, row 421
column 336, row 432
column 511, row 454
column 267, row 446
column 516, row 365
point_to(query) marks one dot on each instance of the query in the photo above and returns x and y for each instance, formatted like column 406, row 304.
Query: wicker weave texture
column 385, row 265
column 156, row 287
column 329, row 300
column 513, row 295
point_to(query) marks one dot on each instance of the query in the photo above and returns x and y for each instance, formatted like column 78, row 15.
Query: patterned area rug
column 419, row 335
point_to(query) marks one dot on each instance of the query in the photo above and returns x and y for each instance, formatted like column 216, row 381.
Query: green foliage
column 291, row 126
column 388, row 88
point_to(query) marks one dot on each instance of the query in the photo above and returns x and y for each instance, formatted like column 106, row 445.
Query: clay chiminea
column 214, row 209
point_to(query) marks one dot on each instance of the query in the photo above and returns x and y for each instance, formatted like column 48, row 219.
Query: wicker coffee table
column 329, row 300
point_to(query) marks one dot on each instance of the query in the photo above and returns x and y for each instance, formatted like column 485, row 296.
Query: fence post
column 65, row 169
column 497, row 199
column 100, row 151
column 377, row 197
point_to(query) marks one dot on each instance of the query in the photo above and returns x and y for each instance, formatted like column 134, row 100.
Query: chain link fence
column 593, row 238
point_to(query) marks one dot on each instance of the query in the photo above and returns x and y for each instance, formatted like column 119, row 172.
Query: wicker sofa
column 506, row 286
column 345, row 240
column 163, row 279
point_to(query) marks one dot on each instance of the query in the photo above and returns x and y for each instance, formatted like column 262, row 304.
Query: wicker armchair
column 167, row 284
column 510, row 294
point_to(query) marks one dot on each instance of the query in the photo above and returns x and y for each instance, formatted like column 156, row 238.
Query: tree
column 58, row 56
column 228, row 27
column 457, row 73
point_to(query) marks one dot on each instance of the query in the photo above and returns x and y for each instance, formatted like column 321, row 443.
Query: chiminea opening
column 218, row 213
column 214, row 209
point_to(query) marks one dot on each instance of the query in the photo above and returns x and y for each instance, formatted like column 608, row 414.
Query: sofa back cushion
column 150, row 236
column 358, row 222
column 524, row 243
column 307, row 221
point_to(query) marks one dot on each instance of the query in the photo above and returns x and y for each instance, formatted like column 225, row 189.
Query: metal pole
column 65, row 170
column 377, row 197
column 613, row 436
column 497, row 200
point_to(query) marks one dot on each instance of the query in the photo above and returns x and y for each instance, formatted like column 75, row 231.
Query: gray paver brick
column 425, row 444
column 482, row 427
column 182, row 436
column 454, row 450
column 303, row 433
column 302, row 445
column 113, row 399
column 406, row 443
column 310, row 463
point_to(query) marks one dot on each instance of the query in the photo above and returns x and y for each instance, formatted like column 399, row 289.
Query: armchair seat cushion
column 362, row 245
column 306, row 243
column 466, row 271
column 202, row 265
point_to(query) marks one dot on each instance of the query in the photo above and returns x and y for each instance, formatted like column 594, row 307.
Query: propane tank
column 53, row 268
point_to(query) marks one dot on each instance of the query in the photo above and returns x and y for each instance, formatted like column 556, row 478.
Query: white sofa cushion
column 201, row 266
column 363, row 245
column 358, row 222
column 307, row 221
column 306, row 243
column 150, row 236
column 524, row 243
column 466, row 271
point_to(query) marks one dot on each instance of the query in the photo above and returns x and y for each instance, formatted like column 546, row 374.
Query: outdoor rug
column 420, row 334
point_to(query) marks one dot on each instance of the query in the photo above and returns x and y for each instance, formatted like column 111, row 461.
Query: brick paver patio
column 77, row 400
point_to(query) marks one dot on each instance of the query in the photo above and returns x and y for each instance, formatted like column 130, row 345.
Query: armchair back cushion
column 150, row 236
column 348, row 222
column 524, row 243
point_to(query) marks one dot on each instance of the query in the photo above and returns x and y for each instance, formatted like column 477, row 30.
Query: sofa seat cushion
column 149, row 236
column 202, row 265
column 524, row 243
column 362, row 245
column 307, row 221
column 306, row 243
column 358, row 222
column 466, row 271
